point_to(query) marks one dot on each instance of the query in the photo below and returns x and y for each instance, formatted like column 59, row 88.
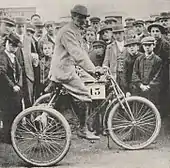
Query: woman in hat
column 162, row 49
column 11, row 84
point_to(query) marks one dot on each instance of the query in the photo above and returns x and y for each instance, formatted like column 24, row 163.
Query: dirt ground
column 96, row 155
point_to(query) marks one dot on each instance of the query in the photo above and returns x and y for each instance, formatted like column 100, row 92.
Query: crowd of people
column 31, row 62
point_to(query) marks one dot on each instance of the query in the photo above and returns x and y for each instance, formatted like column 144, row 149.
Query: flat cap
column 7, row 20
column 137, row 22
column 110, row 18
column 148, row 40
column 129, row 19
column 118, row 28
column 164, row 15
column 149, row 20
column 30, row 27
column 158, row 25
column 104, row 27
column 38, row 23
column 20, row 20
column 80, row 9
column 14, row 39
column 130, row 41
column 99, row 43
column 94, row 19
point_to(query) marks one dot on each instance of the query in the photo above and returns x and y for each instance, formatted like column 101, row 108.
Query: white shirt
column 120, row 45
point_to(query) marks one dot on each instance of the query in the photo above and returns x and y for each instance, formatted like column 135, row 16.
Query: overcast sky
column 53, row 9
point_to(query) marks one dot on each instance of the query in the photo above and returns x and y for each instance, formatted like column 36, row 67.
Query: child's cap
column 148, row 40
column 99, row 43
column 130, row 41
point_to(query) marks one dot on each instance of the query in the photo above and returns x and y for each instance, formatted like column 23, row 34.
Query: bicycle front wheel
column 135, row 124
column 41, row 142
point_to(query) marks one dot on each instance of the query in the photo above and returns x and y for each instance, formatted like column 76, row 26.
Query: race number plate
column 96, row 90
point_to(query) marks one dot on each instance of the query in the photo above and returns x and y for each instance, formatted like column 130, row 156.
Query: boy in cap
column 11, row 84
column 106, row 34
column 147, row 72
column 162, row 49
column 110, row 21
column 98, row 53
column 30, row 30
column 95, row 23
column 139, row 29
column 132, row 46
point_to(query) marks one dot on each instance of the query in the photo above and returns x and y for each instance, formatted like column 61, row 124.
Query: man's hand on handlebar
column 99, row 72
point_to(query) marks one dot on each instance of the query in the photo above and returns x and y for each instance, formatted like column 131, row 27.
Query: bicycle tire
column 53, row 113
column 122, row 143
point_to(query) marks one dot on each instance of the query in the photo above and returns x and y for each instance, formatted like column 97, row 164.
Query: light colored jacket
column 114, row 58
column 68, row 52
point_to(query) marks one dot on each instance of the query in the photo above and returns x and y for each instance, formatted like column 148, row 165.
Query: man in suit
column 28, row 61
column 69, row 51
column 11, row 84
column 115, row 54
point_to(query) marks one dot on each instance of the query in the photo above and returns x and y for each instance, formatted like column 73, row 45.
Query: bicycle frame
column 115, row 96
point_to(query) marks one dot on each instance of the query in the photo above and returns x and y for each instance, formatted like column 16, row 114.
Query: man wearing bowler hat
column 162, row 49
column 69, row 51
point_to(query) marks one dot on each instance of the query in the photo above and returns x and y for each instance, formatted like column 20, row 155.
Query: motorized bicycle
column 132, row 123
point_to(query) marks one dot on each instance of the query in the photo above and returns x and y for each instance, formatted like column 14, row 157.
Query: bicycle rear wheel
column 136, row 129
column 38, row 143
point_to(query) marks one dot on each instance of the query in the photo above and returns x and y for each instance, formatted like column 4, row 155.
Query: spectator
column 38, row 35
column 132, row 46
column 30, row 30
column 20, row 27
column 49, row 36
column 90, row 36
column 47, row 48
column 162, row 49
column 35, row 18
column 6, row 27
column 11, row 84
column 147, row 72
column 98, row 53
column 95, row 23
column 115, row 54
column 106, row 34
column 139, row 29
column 110, row 21
column 57, row 27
